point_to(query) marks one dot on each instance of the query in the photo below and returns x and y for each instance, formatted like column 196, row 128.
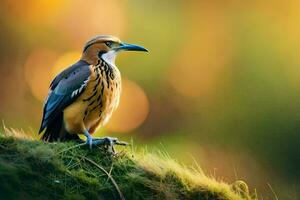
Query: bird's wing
column 64, row 90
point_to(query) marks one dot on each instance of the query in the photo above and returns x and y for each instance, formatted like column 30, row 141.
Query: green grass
column 31, row 169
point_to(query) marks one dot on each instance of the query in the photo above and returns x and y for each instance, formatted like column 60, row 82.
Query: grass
column 31, row 169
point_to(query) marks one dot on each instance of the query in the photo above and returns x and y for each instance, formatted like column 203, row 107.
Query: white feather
column 110, row 57
column 79, row 90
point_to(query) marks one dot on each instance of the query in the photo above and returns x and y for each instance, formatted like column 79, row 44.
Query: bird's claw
column 107, row 142
column 110, row 142
column 122, row 143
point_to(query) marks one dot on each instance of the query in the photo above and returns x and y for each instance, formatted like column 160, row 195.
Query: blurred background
column 221, row 84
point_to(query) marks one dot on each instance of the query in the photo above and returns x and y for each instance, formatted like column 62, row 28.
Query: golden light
column 132, row 111
column 201, row 61
column 66, row 60
column 193, row 82
column 85, row 19
column 36, row 11
column 37, row 71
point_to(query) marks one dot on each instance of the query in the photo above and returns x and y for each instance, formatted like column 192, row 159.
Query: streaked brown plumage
column 97, row 102
column 84, row 96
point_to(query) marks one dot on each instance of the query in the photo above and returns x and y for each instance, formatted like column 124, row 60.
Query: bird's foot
column 107, row 142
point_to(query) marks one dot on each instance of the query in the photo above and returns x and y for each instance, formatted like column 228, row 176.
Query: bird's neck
column 93, row 58
column 106, row 66
column 110, row 58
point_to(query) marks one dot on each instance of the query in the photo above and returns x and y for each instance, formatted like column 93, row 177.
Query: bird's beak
column 130, row 47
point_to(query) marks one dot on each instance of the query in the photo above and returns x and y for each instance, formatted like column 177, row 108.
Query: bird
column 83, row 96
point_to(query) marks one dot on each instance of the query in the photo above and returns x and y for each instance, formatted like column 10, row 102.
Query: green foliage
column 36, row 170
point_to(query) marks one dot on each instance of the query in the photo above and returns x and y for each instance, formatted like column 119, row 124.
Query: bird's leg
column 109, row 142
column 89, row 138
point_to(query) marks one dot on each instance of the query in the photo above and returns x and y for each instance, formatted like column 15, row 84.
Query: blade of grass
column 109, row 176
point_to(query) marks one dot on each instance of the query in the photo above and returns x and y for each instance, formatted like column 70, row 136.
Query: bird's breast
column 96, row 104
column 102, row 94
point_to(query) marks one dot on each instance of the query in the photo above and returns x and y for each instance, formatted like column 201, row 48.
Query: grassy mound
column 32, row 169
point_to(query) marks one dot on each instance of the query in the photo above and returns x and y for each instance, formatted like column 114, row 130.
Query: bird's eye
column 108, row 44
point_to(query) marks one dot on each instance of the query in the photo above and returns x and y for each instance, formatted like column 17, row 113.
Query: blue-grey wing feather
column 64, row 89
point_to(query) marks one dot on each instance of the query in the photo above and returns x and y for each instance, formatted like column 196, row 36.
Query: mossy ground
column 31, row 169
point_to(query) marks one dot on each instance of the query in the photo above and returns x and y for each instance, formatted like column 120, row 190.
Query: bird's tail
column 55, row 131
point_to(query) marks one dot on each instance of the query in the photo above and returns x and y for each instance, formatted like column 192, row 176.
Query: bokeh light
column 133, row 108
column 37, row 71
column 64, row 61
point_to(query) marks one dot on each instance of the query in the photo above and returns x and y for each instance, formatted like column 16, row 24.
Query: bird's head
column 106, row 47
